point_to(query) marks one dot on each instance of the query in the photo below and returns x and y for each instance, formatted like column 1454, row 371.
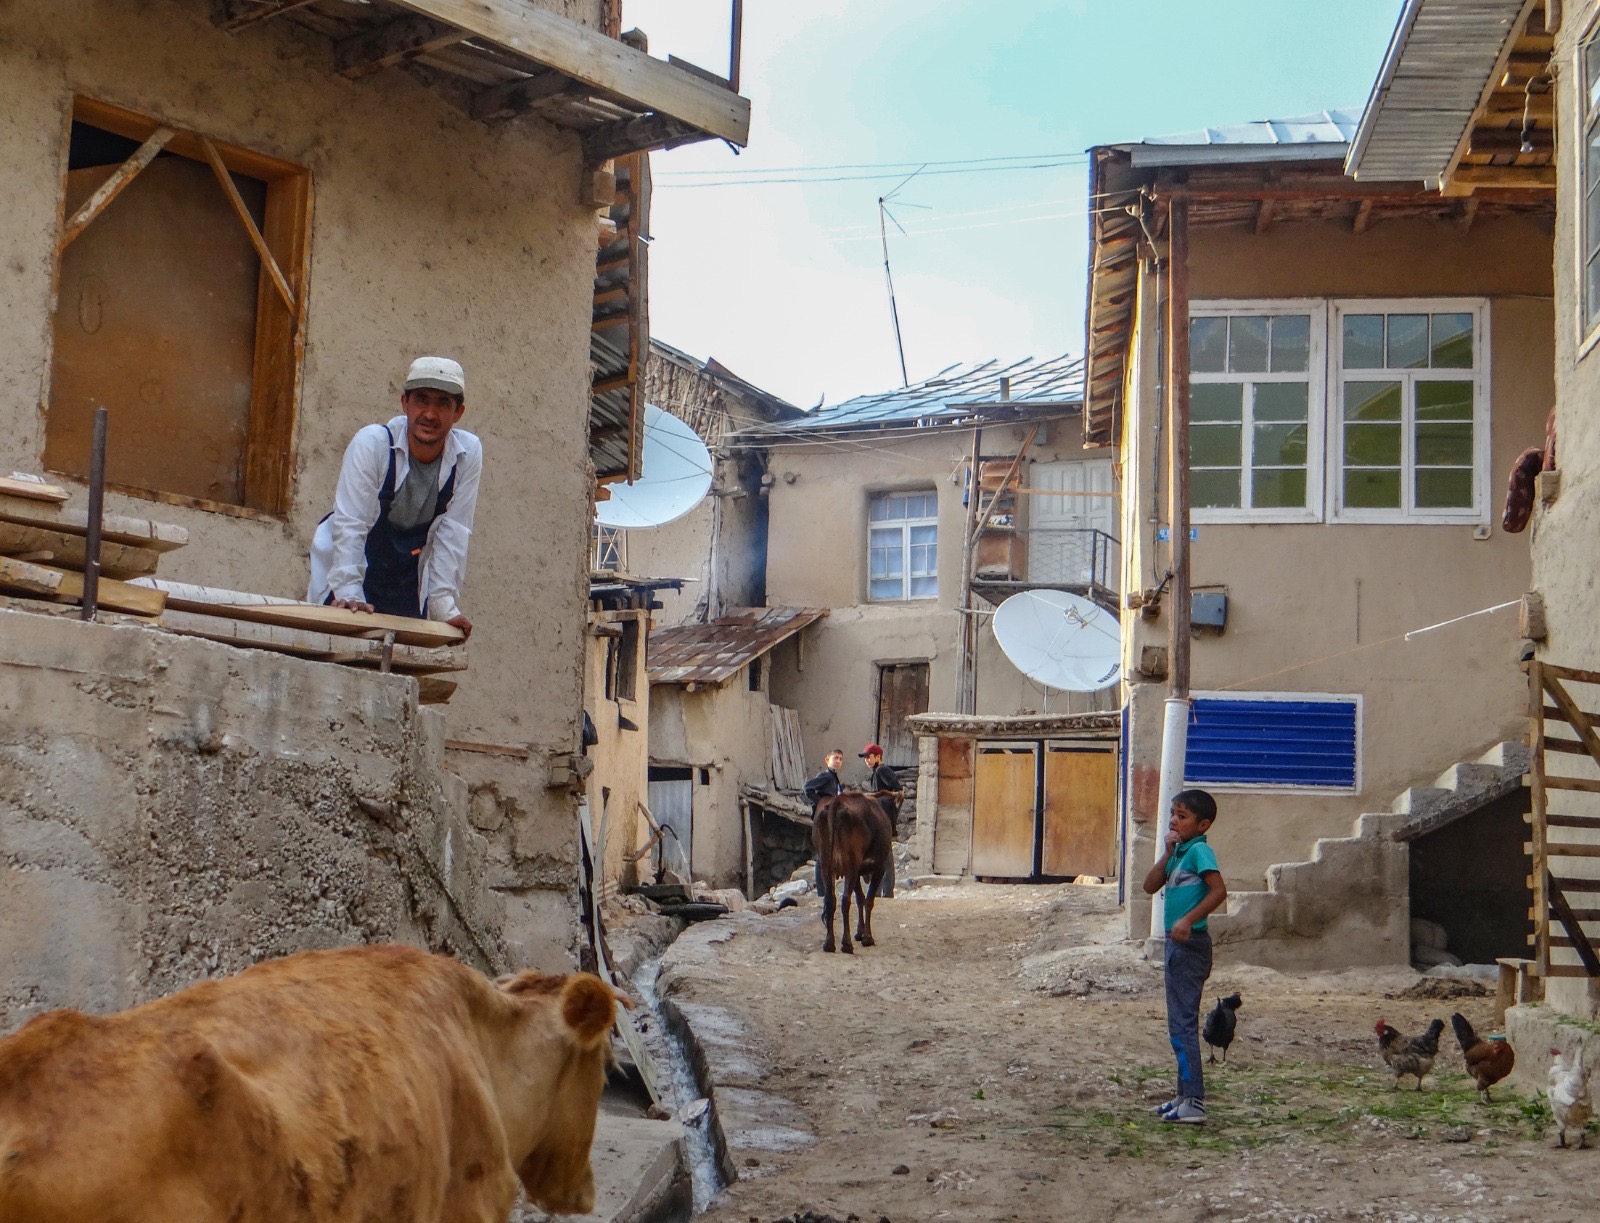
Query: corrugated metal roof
column 953, row 394
column 1432, row 78
column 1300, row 137
column 713, row 653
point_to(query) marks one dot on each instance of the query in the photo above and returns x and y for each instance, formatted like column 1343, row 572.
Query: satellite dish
column 675, row 476
column 1062, row 641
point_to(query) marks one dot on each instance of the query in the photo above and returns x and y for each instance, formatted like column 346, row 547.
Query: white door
column 1061, row 548
column 672, row 805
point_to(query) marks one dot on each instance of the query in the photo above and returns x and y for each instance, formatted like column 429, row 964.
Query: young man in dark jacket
column 885, row 782
column 823, row 785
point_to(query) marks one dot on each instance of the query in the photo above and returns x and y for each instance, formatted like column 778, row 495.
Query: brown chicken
column 1488, row 1061
column 1409, row 1054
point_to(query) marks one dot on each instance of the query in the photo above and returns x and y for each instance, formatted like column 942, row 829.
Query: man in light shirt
column 396, row 541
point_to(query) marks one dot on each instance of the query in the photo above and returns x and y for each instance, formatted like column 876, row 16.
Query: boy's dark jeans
column 1188, row 965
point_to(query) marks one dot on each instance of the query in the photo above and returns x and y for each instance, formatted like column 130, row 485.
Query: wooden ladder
column 1561, row 836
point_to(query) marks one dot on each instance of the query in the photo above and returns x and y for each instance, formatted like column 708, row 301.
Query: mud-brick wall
column 172, row 809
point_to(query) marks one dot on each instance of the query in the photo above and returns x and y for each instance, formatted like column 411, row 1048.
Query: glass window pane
column 1444, row 488
column 882, row 509
column 1214, row 489
column 1363, row 341
column 1452, row 341
column 1278, row 489
column 1591, row 70
column 1247, row 344
column 923, row 535
column 886, row 589
column 1214, row 445
column 1291, row 343
column 1408, row 341
column 1216, row 401
column 1279, row 446
column 925, row 588
column 1372, row 445
column 1591, row 159
column 1444, row 400
column 1372, row 490
column 1208, row 345
column 1372, row 401
column 1591, row 300
column 1445, row 445
column 1284, row 401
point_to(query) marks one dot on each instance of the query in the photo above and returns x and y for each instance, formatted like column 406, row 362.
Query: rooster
column 1409, row 1055
column 1488, row 1061
column 1569, row 1096
column 1218, row 1032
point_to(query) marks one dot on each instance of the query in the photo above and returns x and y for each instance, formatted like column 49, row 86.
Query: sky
column 783, row 281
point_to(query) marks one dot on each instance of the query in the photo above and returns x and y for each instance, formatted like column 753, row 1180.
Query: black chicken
column 1409, row 1054
column 1218, row 1032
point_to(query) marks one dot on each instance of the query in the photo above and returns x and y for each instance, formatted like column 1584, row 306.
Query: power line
column 735, row 171
column 661, row 181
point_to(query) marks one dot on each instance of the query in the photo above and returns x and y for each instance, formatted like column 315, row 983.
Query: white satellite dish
column 674, row 477
column 1063, row 641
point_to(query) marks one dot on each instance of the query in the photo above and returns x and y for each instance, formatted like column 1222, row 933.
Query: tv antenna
column 883, row 234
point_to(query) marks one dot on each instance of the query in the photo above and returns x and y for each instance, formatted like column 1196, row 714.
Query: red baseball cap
column 872, row 749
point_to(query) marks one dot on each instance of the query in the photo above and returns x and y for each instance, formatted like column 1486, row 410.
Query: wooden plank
column 1552, row 711
column 113, row 186
column 1570, row 673
column 1363, row 217
column 141, row 532
column 1571, row 821
column 1566, row 850
column 488, row 749
column 118, row 596
column 1569, row 747
column 1539, row 809
column 393, row 43
column 519, row 97
column 1575, row 717
column 1004, row 810
column 643, row 134
column 606, row 64
column 231, row 190
column 1582, row 887
column 206, row 598
column 233, row 15
column 1579, row 940
column 32, row 490
column 434, row 691
column 303, row 643
column 342, row 622
column 1080, row 806
column 68, row 551
column 1587, row 785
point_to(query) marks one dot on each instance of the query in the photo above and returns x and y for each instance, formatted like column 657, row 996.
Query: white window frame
column 1478, row 513
column 1588, row 118
column 1331, row 698
column 904, row 525
column 1316, row 399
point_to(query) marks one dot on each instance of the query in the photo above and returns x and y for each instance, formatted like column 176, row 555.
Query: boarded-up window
column 170, row 316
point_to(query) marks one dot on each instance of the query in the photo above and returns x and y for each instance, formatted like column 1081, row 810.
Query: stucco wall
column 817, row 557
column 172, row 809
column 616, row 787
column 430, row 233
column 1324, row 607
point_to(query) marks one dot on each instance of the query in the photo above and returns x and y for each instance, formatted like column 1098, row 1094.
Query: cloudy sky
column 783, row 281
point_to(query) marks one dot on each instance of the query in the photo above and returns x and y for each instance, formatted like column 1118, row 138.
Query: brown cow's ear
column 588, row 1005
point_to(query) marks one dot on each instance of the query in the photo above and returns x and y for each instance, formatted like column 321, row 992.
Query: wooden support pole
column 1178, row 398
column 966, row 643
column 97, row 504
column 113, row 186
column 256, row 240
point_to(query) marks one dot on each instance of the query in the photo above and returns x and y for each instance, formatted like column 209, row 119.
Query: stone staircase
column 1349, row 904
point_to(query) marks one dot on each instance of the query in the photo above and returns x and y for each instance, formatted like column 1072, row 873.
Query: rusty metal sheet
column 713, row 653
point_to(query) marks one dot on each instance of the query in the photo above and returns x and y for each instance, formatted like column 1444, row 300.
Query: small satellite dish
column 1061, row 640
column 675, row 476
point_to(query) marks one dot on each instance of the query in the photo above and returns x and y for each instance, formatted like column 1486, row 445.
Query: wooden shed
column 1026, row 797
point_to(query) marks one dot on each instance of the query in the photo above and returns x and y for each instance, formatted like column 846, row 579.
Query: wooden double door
column 1044, row 808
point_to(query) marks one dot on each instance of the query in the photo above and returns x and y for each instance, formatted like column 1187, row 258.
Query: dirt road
column 994, row 1058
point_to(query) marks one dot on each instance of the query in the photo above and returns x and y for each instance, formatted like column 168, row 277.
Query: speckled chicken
column 1409, row 1054
column 1568, row 1094
column 1488, row 1061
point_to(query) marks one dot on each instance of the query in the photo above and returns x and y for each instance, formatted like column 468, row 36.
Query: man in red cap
column 885, row 783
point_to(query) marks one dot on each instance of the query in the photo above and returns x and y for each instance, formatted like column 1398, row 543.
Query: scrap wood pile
column 44, row 550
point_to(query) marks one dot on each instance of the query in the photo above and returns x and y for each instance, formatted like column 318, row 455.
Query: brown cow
column 853, row 841
column 364, row 1083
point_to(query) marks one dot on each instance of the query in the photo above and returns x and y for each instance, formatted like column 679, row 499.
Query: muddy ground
column 994, row 1058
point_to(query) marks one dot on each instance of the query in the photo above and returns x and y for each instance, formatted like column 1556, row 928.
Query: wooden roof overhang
column 1463, row 101
column 1131, row 216
column 496, row 59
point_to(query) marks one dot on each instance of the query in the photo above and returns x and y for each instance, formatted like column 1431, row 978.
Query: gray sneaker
column 1189, row 1111
column 1161, row 1110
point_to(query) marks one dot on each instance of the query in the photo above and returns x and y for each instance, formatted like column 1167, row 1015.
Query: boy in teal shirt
column 1188, row 870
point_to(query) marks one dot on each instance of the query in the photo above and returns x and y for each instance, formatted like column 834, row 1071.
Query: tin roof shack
column 715, row 733
column 1030, row 796
column 720, row 547
column 870, row 516
column 235, row 222
column 1365, row 357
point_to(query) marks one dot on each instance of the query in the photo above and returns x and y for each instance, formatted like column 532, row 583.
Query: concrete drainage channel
column 705, row 1054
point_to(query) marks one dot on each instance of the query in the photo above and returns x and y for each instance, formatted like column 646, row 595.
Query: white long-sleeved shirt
column 339, row 547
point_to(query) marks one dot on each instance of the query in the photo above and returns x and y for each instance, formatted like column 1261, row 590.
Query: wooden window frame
column 285, row 234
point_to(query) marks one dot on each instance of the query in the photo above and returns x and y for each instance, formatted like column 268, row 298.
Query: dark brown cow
column 327, row 1087
column 853, row 841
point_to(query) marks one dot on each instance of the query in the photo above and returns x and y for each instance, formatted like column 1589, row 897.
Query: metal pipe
column 97, row 503
column 737, row 42
column 1178, row 396
column 1174, row 749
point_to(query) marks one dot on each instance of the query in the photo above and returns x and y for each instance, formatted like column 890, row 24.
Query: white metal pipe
column 1174, row 748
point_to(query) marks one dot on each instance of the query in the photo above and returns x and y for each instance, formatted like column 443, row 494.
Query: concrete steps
column 1349, row 903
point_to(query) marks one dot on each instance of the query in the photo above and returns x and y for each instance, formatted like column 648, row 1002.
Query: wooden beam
column 517, row 98
column 116, row 560
column 1495, row 142
column 160, row 536
column 603, row 63
column 620, row 383
column 1521, row 178
column 238, row 14
column 1469, row 213
column 65, row 584
column 1578, row 720
column 635, row 136
column 231, row 190
column 392, row 44
column 1263, row 216
column 113, row 186
column 1569, row 922
column 1363, row 217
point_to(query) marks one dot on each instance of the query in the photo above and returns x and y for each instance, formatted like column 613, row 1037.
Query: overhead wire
column 736, row 171
column 854, row 178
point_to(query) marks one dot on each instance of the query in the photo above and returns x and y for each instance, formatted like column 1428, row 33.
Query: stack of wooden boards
column 42, row 555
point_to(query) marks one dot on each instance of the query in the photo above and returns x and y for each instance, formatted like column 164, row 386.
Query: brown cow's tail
column 589, row 1006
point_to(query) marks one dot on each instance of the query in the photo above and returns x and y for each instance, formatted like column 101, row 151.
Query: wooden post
column 96, row 520
column 966, row 642
column 1539, row 809
column 1178, row 398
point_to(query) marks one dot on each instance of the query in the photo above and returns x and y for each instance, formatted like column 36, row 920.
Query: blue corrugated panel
column 1272, row 743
